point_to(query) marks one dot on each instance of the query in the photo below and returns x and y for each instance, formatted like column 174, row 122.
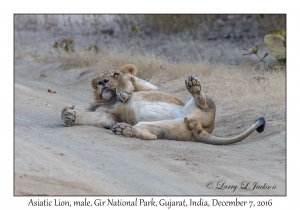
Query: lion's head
column 105, row 85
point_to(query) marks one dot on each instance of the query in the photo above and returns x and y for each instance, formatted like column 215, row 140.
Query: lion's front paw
column 192, row 83
column 68, row 115
column 122, row 129
column 123, row 95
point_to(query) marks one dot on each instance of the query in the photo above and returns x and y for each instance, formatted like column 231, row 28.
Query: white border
column 155, row 6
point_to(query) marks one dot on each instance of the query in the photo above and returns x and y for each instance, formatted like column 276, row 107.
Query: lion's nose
column 103, row 82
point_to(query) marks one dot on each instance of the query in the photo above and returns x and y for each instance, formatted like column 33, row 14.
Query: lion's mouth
column 105, row 93
column 100, row 90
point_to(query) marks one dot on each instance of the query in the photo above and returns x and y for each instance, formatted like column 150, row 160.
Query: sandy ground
column 51, row 159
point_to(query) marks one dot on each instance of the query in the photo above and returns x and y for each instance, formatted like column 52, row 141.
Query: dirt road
column 51, row 159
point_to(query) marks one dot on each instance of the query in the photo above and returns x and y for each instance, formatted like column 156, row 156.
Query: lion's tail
column 259, row 126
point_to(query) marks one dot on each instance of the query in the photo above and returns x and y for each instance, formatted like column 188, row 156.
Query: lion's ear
column 128, row 68
column 94, row 82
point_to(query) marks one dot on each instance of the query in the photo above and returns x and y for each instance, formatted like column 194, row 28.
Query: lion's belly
column 135, row 111
column 156, row 111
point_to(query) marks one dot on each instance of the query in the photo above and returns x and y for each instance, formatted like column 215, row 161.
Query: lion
column 133, row 107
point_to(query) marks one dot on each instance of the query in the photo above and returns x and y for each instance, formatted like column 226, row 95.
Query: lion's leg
column 166, row 129
column 127, row 130
column 127, row 84
column 193, row 85
column 125, row 87
column 101, row 119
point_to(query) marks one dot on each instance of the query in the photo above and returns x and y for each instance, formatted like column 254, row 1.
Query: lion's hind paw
column 193, row 126
column 122, row 129
column 192, row 83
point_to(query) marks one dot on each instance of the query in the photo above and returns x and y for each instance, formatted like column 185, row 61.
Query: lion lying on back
column 133, row 107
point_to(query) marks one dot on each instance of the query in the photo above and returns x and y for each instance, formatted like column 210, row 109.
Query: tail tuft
column 263, row 124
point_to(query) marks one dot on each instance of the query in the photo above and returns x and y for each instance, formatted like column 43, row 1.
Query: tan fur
column 129, row 68
column 122, row 82
column 146, row 113
column 97, row 89
column 95, row 81
column 163, row 97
